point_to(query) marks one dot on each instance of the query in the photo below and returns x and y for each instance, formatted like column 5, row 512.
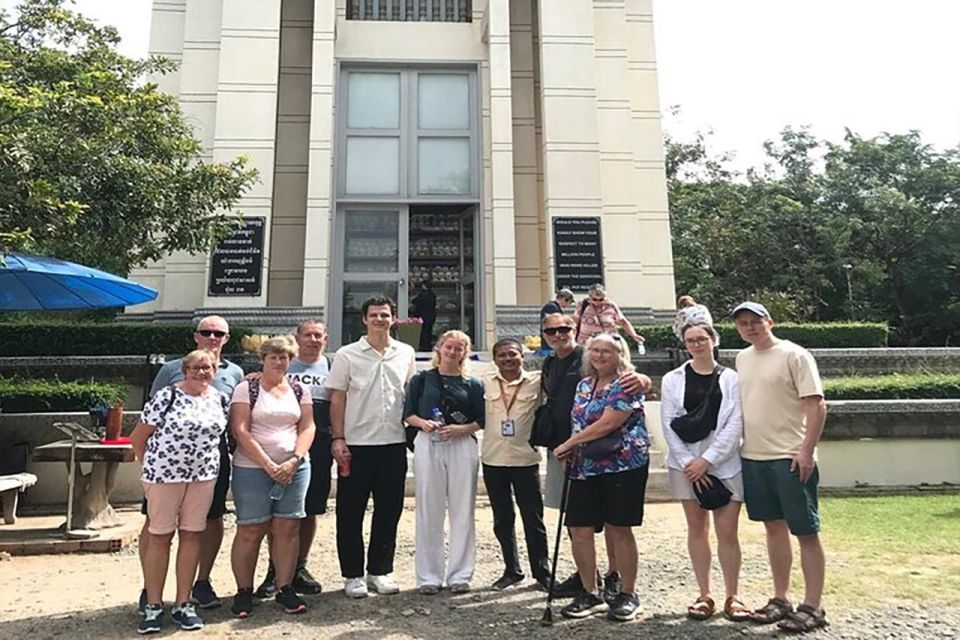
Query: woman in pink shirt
column 599, row 314
column 272, row 422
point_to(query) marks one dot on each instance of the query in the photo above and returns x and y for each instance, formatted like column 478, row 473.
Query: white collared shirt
column 375, row 386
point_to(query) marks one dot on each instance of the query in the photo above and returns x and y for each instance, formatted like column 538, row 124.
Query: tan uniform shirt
column 510, row 451
column 773, row 383
column 375, row 386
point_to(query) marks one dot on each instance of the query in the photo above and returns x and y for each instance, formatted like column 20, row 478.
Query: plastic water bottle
column 641, row 349
column 437, row 416
column 276, row 491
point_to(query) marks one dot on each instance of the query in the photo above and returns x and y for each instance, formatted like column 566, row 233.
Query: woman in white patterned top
column 178, row 441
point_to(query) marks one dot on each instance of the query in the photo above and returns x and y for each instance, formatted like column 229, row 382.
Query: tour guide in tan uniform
column 783, row 417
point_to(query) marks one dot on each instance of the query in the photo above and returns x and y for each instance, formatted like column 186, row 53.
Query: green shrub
column 824, row 335
column 24, row 395
column 101, row 339
column 897, row 386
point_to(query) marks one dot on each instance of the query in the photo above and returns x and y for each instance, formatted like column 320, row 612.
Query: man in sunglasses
column 561, row 375
column 211, row 335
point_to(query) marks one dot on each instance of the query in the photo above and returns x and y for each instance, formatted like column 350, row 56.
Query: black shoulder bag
column 696, row 425
column 542, row 435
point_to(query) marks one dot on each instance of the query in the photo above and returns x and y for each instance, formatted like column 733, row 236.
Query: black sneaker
column 268, row 588
column 152, row 619
column 204, row 595
column 305, row 583
column 612, row 586
column 242, row 603
column 624, row 607
column 290, row 601
column 543, row 581
column 507, row 580
column 585, row 604
column 142, row 602
column 572, row 586
column 186, row 616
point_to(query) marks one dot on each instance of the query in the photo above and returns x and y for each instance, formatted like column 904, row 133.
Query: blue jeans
column 251, row 495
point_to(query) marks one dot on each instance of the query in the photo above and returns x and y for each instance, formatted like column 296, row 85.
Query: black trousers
column 379, row 471
column 503, row 484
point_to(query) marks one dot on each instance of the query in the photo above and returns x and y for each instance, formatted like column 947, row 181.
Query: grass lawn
column 890, row 549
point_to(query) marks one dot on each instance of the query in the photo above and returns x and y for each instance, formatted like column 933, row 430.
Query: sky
column 747, row 68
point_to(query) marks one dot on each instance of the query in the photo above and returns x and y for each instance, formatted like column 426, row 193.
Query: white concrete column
column 653, row 241
column 166, row 39
column 501, row 154
column 570, row 148
column 185, row 274
column 316, row 262
column 527, row 221
column 246, row 115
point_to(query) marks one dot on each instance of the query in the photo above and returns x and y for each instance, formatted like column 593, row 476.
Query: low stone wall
column 866, row 443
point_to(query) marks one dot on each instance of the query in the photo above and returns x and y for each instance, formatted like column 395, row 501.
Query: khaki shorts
column 178, row 505
column 682, row 489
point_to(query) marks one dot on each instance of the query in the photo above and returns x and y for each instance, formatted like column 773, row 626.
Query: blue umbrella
column 29, row 282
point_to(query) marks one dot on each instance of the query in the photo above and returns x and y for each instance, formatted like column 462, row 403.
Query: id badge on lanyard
column 508, row 427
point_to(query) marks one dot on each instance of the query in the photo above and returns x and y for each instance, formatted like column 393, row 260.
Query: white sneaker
column 383, row 585
column 355, row 588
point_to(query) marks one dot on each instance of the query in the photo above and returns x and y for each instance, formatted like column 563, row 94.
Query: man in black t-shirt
column 563, row 300
column 561, row 375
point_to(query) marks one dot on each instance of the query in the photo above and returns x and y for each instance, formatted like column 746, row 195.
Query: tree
column 96, row 164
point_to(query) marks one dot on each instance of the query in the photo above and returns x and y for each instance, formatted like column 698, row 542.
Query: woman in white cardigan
column 683, row 390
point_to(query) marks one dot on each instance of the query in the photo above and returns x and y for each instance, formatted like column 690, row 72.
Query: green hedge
column 23, row 395
column 102, row 339
column 909, row 386
column 823, row 335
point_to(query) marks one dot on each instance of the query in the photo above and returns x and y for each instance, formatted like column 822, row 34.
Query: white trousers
column 446, row 483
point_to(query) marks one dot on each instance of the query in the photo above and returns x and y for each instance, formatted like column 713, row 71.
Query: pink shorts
column 178, row 505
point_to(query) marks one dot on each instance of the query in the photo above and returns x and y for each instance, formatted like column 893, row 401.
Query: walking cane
column 547, row 619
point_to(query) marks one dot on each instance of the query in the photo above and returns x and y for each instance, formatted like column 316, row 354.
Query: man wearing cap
column 783, row 418
column 563, row 300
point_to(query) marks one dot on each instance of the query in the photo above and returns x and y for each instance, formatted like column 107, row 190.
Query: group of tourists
column 733, row 437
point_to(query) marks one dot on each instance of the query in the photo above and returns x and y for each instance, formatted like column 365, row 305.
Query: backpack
column 255, row 391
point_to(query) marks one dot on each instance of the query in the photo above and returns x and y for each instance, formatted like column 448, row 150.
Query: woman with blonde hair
column 272, row 422
column 607, row 459
column 448, row 408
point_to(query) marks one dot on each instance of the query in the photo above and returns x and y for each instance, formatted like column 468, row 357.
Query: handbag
column 542, row 434
column 604, row 447
column 696, row 425
column 713, row 497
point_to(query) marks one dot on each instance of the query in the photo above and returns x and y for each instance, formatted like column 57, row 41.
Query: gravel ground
column 92, row 595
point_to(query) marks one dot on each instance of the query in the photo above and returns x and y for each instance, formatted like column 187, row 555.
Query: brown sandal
column 735, row 611
column 702, row 609
column 804, row 619
column 775, row 610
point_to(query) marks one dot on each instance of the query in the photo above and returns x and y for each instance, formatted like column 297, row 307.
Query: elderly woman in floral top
column 607, row 461
column 599, row 314
column 178, row 441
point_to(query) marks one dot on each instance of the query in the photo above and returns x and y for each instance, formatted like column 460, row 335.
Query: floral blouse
column 592, row 322
column 587, row 409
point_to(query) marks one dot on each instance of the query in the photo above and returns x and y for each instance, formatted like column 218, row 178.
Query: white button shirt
column 374, row 385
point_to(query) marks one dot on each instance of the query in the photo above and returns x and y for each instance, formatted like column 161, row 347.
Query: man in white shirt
column 367, row 383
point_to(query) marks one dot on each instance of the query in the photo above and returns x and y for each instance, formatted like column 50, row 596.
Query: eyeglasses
column 211, row 333
column 552, row 331
column 598, row 300
column 203, row 368
column 695, row 342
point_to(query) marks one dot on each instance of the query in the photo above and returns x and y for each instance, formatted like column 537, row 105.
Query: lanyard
column 503, row 392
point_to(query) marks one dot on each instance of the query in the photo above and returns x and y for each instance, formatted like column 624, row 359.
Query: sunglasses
column 552, row 331
column 211, row 333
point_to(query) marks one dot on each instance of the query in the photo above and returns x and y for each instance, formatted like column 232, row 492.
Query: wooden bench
column 10, row 489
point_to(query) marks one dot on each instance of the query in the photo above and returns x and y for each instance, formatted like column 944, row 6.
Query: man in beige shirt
column 783, row 418
column 366, row 384
column 511, row 467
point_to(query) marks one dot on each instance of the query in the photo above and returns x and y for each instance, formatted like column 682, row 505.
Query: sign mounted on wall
column 577, row 253
column 236, row 265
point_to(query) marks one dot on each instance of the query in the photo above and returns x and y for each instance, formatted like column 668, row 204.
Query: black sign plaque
column 236, row 265
column 577, row 253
